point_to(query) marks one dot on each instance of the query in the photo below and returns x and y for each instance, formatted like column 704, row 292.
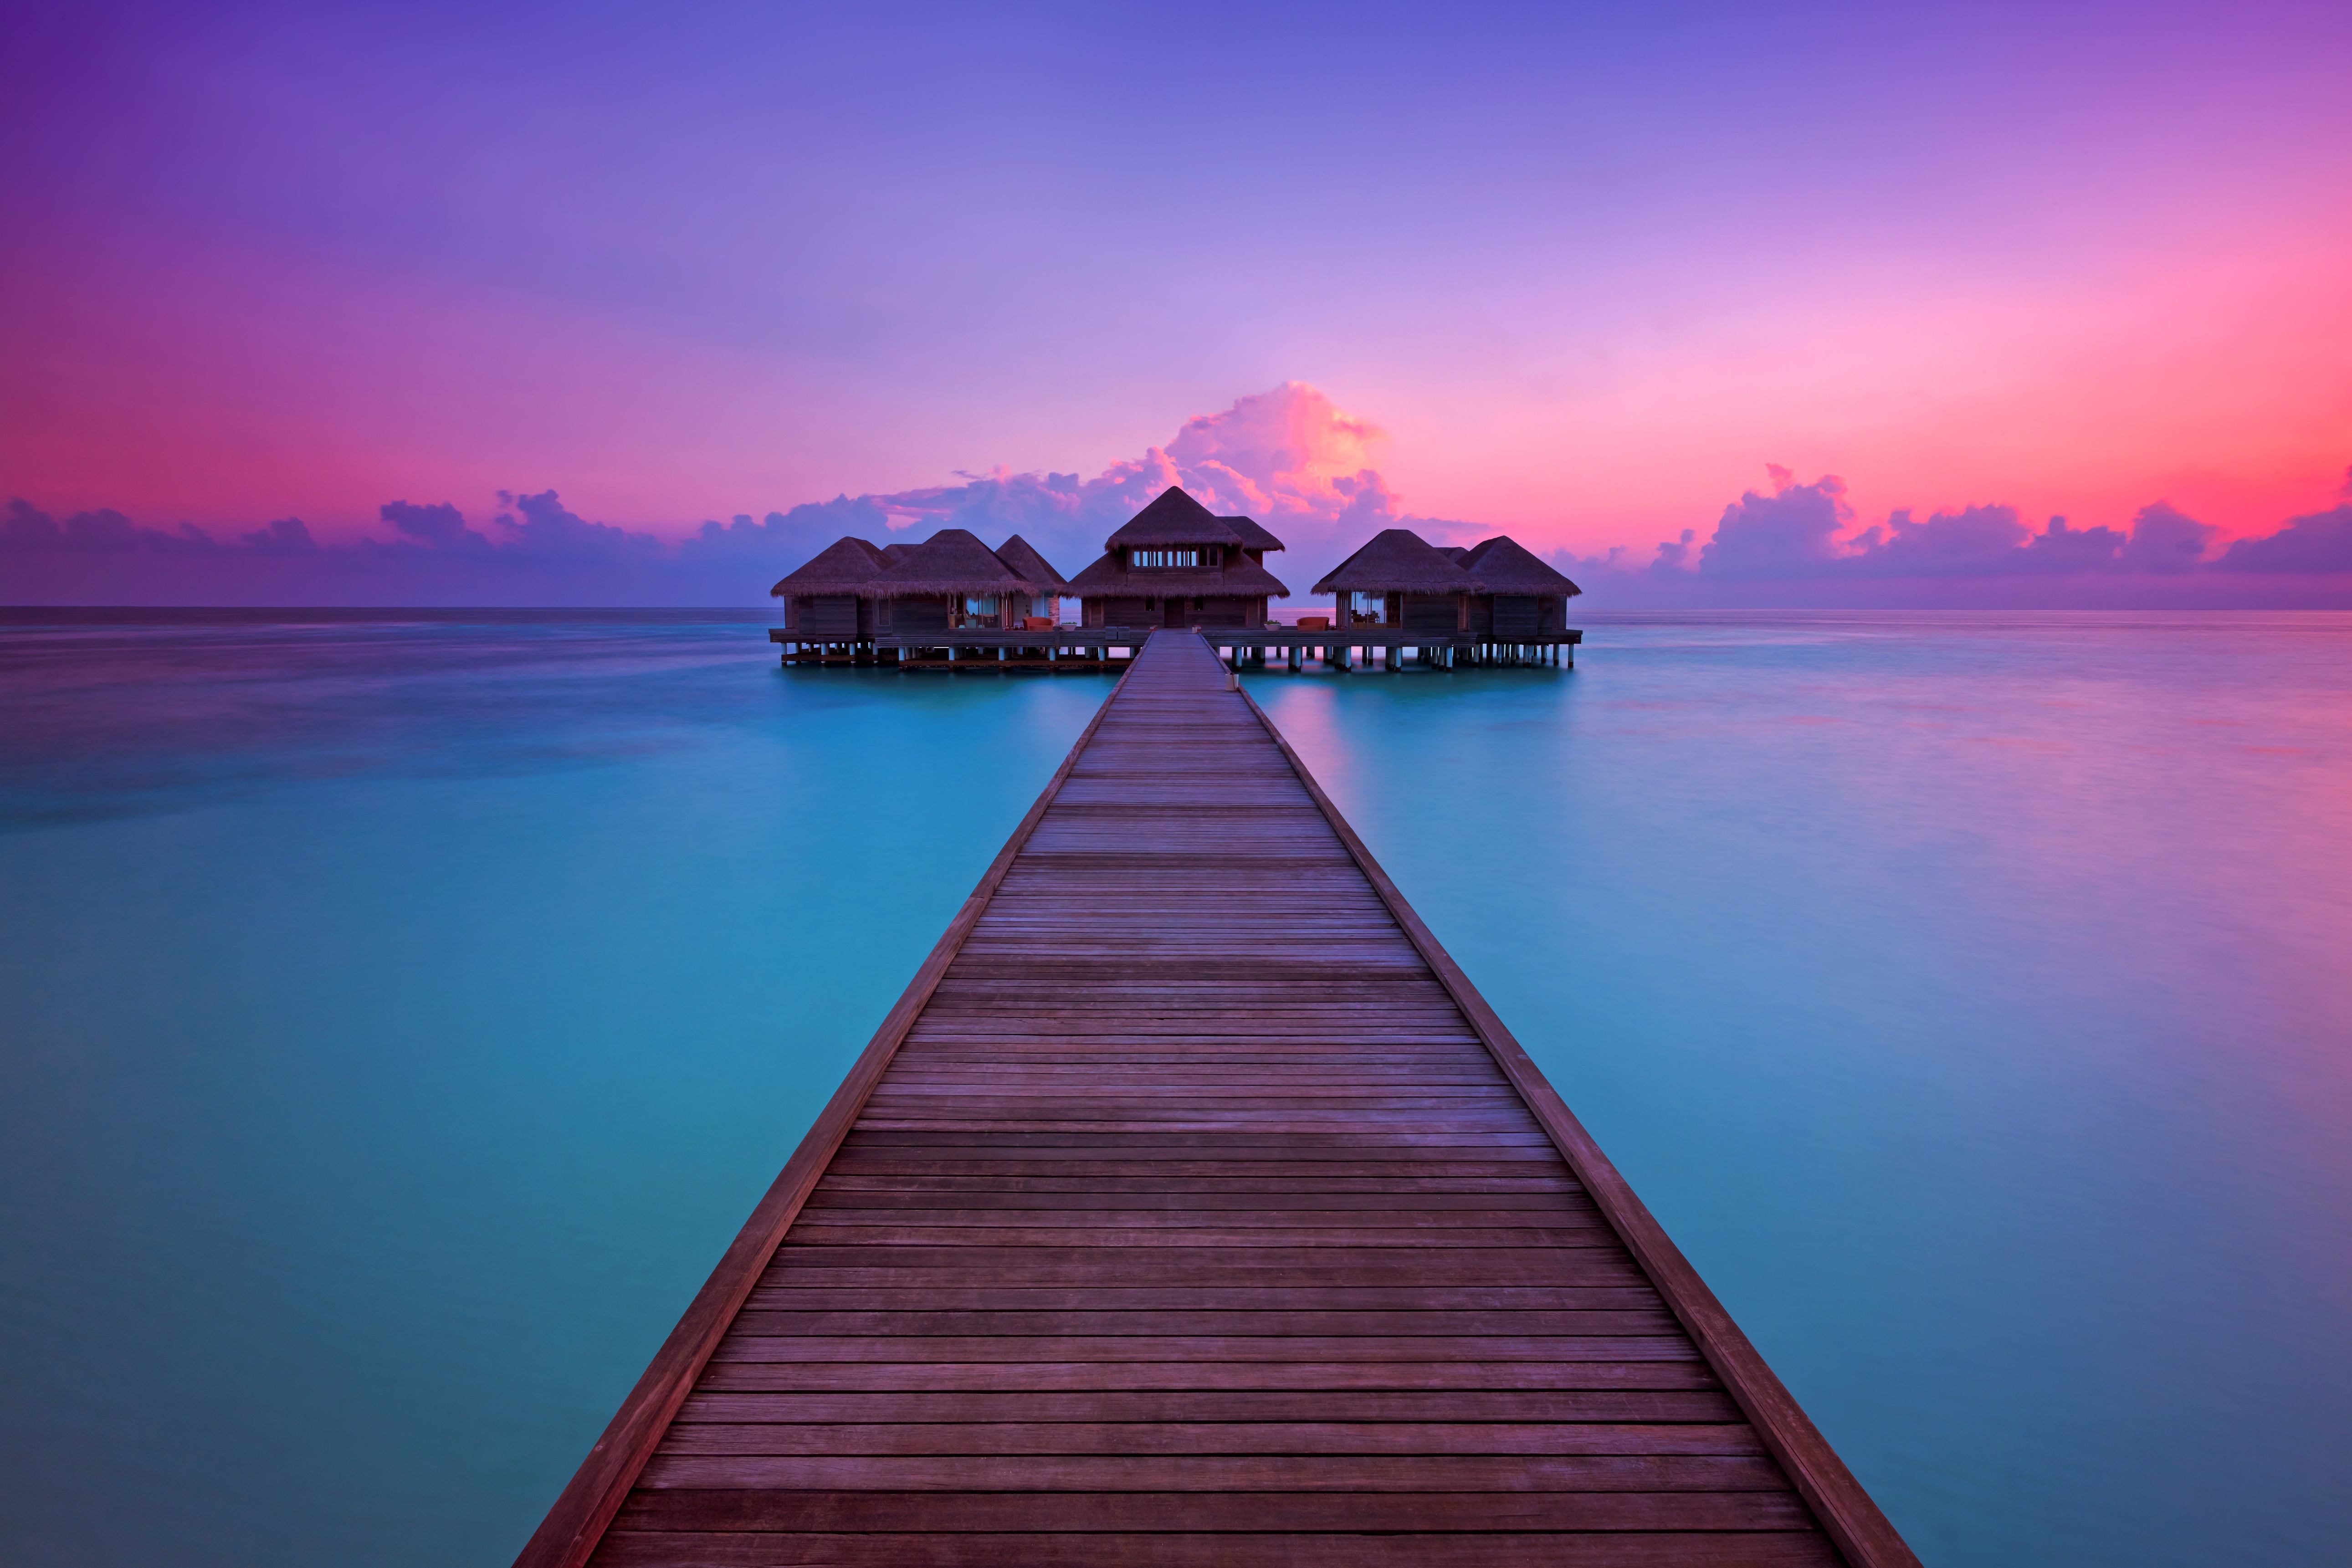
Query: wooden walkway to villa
column 1190, row 1208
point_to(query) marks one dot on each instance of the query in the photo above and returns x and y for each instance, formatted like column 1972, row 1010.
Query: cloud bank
column 1794, row 545
column 1289, row 458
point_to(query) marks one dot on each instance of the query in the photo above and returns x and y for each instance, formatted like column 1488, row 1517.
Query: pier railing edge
column 1863, row 1534
column 574, row 1526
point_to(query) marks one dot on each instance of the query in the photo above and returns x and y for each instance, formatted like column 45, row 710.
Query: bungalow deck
column 1087, row 649
column 1192, row 1208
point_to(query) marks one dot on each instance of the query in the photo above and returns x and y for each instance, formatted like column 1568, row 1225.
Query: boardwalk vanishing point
column 1190, row 1208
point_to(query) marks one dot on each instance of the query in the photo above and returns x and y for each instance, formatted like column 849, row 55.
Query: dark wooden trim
column 1863, row 1533
column 570, row 1533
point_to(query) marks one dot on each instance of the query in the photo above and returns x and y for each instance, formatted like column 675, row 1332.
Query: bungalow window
column 1164, row 558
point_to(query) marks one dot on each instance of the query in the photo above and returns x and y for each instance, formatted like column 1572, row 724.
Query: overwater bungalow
column 1409, row 586
column 1044, row 608
column 1177, row 564
column 952, row 582
column 822, row 600
column 951, row 603
column 1519, row 596
column 1493, row 602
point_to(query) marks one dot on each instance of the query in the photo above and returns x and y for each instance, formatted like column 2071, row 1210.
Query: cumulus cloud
column 287, row 536
column 103, row 531
column 537, row 551
column 2060, row 549
column 2163, row 540
column 1674, row 554
column 542, row 526
column 1792, row 532
column 1974, row 542
column 438, row 527
column 1796, row 533
column 2317, row 542
column 1799, row 534
column 783, row 536
column 1290, row 457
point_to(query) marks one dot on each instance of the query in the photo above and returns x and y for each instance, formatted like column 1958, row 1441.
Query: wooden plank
column 662, row 1507
column 1179, row 1548
column 1062, row 1471
column 817, row 1293
column 874, row 1377
column 1195, row 1349
column 1371, row 1409
column 1295, row 1438
column 759, row 1320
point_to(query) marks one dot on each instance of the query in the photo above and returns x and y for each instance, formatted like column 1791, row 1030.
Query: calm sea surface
column 398, row 1016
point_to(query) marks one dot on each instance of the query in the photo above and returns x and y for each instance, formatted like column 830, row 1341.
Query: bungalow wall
column 1521, row 615
column 1439, row 614
column 904, row 617
column 836, row 616
column 1123, row 610
column 1226, row 612
column 1229, row 611
column 913, row 618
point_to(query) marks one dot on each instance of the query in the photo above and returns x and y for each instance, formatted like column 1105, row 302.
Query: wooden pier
column 978, row 650
column 1190, row 1208
column 1072, row 650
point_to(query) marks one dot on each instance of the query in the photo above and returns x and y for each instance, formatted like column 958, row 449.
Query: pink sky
column 1584, row 277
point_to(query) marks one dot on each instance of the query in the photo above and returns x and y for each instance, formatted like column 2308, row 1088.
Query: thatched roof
column 1243, row 578
column 953, row 561
column 842, row 567
column 1454, row 553
column 1397, row 561
column 1173, row 518
column 1503, row 565
column 894, row 553
column 1021, row 557
column 1253, row 537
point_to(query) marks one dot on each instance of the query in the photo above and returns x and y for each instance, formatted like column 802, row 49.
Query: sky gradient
column 1576, row 274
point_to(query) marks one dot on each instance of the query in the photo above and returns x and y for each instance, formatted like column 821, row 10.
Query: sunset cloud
column 1791, row 536
column 2319, row 542
column 1289, row 457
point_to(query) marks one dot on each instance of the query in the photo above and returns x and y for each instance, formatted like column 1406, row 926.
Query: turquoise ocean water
column 399, row 1015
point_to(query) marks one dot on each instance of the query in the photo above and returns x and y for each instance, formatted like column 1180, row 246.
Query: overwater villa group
column 951, row 603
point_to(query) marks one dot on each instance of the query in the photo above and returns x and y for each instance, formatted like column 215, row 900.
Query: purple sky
column 1576, row 275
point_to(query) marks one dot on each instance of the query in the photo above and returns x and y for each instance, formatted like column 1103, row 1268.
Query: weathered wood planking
column 1190, row 1208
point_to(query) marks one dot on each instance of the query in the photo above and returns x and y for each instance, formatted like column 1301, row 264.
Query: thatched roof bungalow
column 1177, row 564
column 852, row 590
column 1493, row 590
column 1412, row 585
column 1048, row 584
column 1256, row 542
column 953, row 580
column 1518, row 593
column 821, row 599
